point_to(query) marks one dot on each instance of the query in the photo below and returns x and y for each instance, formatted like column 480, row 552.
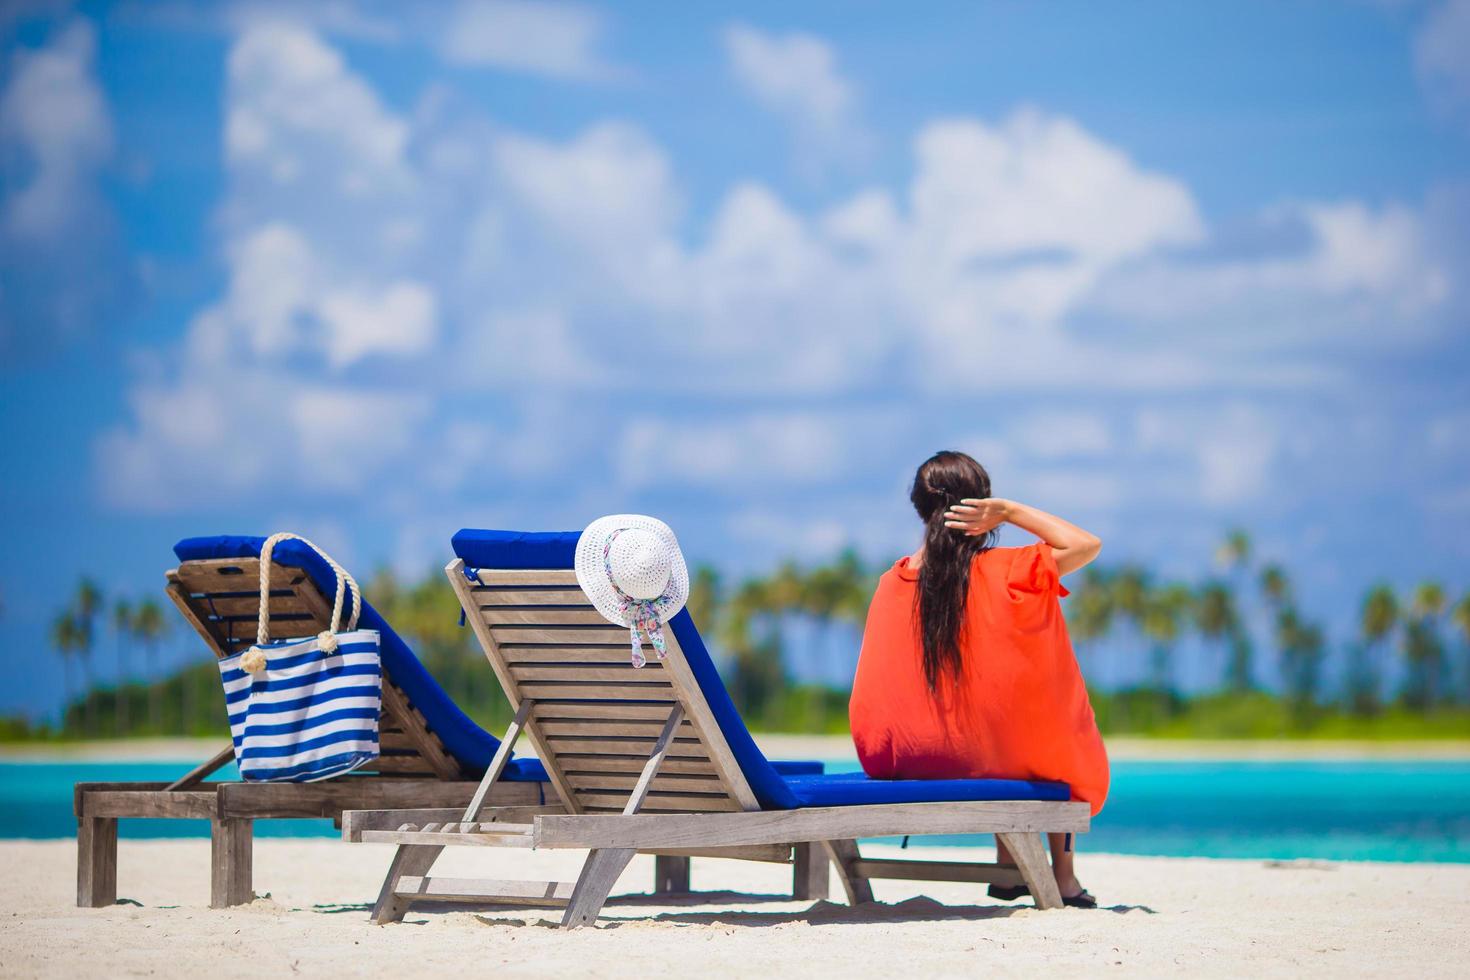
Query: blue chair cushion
column 774, row 789
column 855, row 788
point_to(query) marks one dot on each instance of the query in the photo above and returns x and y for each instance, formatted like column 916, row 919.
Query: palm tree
column 1217, row 620
column 122, row 630
column 1423, row 647
column 1130, row 591
column 66, row 638
column 1090, row 613
column 1379, row 617
column 1277, row 593
column 1275, row 586
column 1235, row 551
column 87, row 604
column 1460, row 617
column 1301, row 645
column 1165, row 610
column 150, row 626
column 705, row 597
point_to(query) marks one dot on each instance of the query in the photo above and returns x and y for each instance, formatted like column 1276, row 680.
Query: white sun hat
column 631, row 568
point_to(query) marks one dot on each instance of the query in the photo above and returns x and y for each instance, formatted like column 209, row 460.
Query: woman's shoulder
column 1030, row 568
column 1006, row 557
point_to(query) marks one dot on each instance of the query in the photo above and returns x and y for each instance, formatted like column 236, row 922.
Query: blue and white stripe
column 310, row 715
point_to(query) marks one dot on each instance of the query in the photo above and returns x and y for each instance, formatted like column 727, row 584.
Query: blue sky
column 1165, row 268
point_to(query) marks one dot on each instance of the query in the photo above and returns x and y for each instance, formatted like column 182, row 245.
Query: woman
column 966, row 669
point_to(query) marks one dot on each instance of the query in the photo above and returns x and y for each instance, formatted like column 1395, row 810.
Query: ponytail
column 944, row 480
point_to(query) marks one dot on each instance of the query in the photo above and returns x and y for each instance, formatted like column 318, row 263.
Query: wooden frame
column 623, row 747
column 219, row 598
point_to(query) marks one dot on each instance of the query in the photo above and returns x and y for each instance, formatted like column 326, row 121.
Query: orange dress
column 1018, row 709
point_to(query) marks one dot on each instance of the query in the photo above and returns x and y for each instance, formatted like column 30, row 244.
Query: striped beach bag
column 305, row 709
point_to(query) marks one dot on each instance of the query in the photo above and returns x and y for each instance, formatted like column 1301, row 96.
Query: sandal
column 1008, row 893
column 1081, row 900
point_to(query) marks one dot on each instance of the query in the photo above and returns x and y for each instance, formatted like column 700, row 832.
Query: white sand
column 1164, row 916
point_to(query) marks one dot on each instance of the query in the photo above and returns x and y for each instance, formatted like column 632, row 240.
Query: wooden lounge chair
column 657, row 758
column 432, row 753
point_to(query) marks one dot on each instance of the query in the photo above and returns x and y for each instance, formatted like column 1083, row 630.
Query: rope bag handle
column 254, row 660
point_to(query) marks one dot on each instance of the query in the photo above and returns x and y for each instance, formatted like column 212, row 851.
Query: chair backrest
column 595, row 718
column 220, row 598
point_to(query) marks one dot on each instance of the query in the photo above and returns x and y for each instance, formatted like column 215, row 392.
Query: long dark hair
column 943, row 480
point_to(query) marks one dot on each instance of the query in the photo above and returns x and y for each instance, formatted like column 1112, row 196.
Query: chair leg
column 810, row 874
column 670, row 874
column 599, row 873
column 231, row 880
column 844, row 853
column 96, row 862
column 1030, row 858
column 409, row 859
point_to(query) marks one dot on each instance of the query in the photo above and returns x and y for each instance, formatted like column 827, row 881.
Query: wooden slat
column 668, row 782
column 532, row 597
column 938, row 871
column 399, row 765
column 587, row 727
column 356, row 821
column 597, row 764
column 282, row 602
column 812, row 824
column 499, row 616
column 207, row 633
column 524, row 656
column 770, row 853
column 190, row 803
column 389, row 741
column 625, row 674
column 561, row 634
column 331, row 797
column 661, row 802
column 551, row 690
column 437, row 837
column 469, row 890
column 624, row 745
column 546, row 710
column 408, row 718
column 533, row 576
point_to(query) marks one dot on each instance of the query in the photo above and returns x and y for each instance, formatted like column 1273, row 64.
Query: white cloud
column 1440, row 56
column 1055, row 434
column 344, row 436
column 1233, row 450
column 559, row 40
column 61, row 260
column 504, row 311
column 399, row 319
column 1362, row 275
column 262, row 385
column 793, row 448
column 54, row 112
column 796, row 76
column 293, row 105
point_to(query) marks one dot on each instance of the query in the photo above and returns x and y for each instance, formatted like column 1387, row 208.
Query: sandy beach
column 1160, row 916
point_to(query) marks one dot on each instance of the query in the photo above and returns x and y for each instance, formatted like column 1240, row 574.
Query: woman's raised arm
column 1071, row 546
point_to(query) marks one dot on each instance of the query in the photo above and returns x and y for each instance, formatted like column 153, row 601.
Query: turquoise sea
column 1343, row 811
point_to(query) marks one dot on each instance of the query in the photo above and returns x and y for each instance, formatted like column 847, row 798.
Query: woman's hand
column 1071, row 546
column 978, row 515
